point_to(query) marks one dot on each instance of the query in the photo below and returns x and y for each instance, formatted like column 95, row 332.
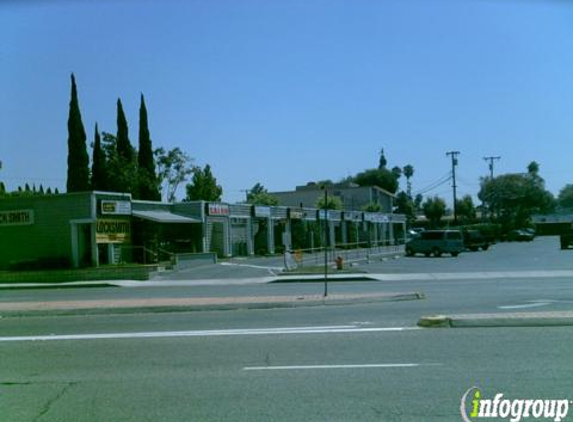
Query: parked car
column 520, row 236
column 566, row 239
column 474, row 240
column 436, row 242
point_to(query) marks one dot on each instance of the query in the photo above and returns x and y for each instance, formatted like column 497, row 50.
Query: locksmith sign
column 113, row 231
column 16, row 218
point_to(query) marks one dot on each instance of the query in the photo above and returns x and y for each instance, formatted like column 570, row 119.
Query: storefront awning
column 164, row 217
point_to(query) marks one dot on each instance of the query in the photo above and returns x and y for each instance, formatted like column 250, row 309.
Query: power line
column 444, row 179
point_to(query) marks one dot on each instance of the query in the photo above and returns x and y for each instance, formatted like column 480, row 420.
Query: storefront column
column 228, row 239
column 95, row 251
column 331, row 234
column 344, row 232
column 250, row 238
column 383, row 233
column 287, row 242
column 204, row 236
column 271, row 236
column 391, row 227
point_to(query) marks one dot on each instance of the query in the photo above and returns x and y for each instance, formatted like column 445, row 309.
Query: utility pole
column 454, row 155
column 491, row 159
column 490, row 165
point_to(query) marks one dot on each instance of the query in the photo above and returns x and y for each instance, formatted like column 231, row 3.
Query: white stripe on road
column 524, row 306
column 298, row 367
column 210, row 333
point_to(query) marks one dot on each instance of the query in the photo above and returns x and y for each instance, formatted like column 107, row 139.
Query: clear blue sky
column 285, row 92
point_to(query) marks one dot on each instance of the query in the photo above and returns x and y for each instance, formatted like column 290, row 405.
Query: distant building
column 352, row 196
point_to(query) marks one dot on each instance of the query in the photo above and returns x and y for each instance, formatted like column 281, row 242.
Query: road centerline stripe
column 350, row 366
column 209, row 333
column 525, row 306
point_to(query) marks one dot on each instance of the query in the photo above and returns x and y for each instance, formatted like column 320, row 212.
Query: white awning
column 164, row 217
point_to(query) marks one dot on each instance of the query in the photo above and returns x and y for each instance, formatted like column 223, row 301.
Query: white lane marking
column 524, row 306
column 210, row 333
column 299, row 367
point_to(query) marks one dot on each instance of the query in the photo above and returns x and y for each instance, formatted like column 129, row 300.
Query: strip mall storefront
column 101, row 228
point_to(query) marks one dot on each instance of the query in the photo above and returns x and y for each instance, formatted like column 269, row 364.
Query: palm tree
column 408, row 173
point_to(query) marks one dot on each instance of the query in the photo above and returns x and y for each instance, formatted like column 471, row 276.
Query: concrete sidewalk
column 287, row 277
column 514, row 319
column 185, row 304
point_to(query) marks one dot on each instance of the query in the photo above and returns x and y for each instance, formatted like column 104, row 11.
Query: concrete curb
column 524, row 319
column 209, row 304
column 301, row 278
column 319, row 278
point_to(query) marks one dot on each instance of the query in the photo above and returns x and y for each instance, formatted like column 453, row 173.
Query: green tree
column 148, row 187
column 99, row 168
column 514, row 198
column 397, row 172
column 565, row 198
column 78, row 160
column 2, row 189
column 173, row 168
column 372, row 207
column 533, row 168
column 382, row 178
column 408, row 173
column 332, row 203
column 204, row 186
column 121, row 164
column 434, row 209
column 258, row 195
column 382, row 162
column 418, row 199
column 124, row 149
column 466, row 209
column 405, row 205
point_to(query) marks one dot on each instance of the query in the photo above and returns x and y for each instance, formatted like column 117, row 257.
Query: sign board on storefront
column 376, row 218
column 115, row 207
column 113, row 231
column 296, row 214
column 262, row 212
column 16, row 218
column 218, row 210
column 331, row 215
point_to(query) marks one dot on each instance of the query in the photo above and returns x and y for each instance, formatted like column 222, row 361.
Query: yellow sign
column 116, row 207
column 113, row 231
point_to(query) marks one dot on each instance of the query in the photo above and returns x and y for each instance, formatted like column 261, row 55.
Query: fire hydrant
column 339, row 263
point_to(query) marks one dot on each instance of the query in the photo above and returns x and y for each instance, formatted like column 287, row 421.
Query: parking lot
column 543, row 253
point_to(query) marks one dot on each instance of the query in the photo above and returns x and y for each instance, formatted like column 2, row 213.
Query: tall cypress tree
column 99, row 168
column 124, row 148
column 125, row 171
column 147, row 178
column 78, row 160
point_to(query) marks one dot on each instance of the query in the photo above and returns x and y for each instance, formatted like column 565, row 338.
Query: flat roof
column 164, row 217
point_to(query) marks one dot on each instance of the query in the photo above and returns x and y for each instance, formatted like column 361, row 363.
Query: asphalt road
column 365, row 362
